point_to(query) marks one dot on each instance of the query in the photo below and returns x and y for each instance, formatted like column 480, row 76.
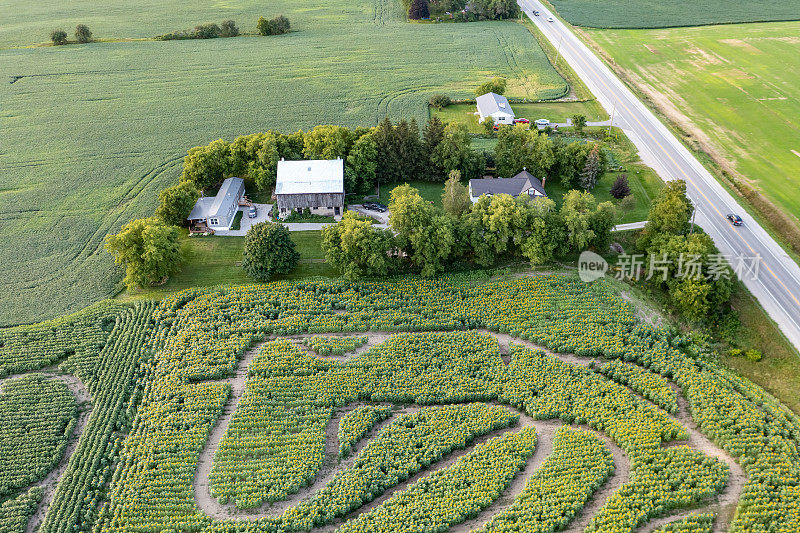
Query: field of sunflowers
column 159, row 379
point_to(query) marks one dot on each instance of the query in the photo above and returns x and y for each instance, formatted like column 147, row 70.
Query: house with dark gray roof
column 523, row 184
column 495, row 106
column 217, row 212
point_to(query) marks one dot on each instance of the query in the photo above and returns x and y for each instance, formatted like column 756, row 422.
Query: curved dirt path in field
column 724, row 504
column 84, row 402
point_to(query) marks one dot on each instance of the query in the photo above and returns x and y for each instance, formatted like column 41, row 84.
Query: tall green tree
column 83, row 34
column 591, row 170
column 670, row 213
column 148, row 249
column 602, row 222
column 577, row 212
column 176, row 202
column 545, row 235
column 362, row 164
column 424, row 233
column 206, row 166
column 496, row 85
column 356, row 249
column 268, row 250
column 519, row 148
column 328, row 142
column 578, row 122
column 569, row 162
column 432, row 135
column 454, row 152
column 455, row 197
column 389, row 164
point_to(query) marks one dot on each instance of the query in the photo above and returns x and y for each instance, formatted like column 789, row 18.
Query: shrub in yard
column 620, row 189
column 488, row 125
column 753, row 355
column 229, row 29
column 58, row 37
column 268, row 250
column 735, row 352
column 176, row 202
column 439, row 101
column 419, row 10
column 83, row 34
column 277, row 26
column 628, row 203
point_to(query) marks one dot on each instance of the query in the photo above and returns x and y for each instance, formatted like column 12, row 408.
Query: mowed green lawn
column 660, row 14
column 553, row 111
column 213, row 260
column 91, row 133
column 735, row 86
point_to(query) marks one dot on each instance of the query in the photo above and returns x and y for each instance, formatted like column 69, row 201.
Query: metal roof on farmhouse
column 513, row 186
column 210, row 207
column 314, row 176
column 492, row 103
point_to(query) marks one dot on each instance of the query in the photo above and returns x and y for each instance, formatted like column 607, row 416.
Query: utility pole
column 558, row 51
column 613, row 111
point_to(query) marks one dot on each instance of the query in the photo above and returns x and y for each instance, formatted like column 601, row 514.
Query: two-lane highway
column 776, row 280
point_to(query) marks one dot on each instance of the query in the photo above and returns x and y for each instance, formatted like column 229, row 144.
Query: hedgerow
column 38, row 416
column 357, row 423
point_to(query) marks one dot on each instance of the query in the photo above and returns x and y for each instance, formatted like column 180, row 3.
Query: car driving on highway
column 735, row 220
column 550, row 19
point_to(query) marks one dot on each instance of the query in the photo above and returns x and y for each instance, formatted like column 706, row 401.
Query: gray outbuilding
column 316, row 185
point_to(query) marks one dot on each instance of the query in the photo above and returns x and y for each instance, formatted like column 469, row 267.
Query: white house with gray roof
column 524, row 185
column 316, row 185
column 495, row 106
column 217, row 212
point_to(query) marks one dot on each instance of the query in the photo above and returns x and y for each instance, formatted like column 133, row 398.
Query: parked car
column 521, row 121
column 550, row 19
column 735, row 220
column 542, row 123
column 252, row 212
column 375, row 206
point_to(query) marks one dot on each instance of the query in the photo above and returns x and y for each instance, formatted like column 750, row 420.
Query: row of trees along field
column 428, row 239
column 461, row 10
column 390, row 153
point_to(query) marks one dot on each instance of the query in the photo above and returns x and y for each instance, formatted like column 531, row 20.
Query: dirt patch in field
column 652, row 49
column 738, row 43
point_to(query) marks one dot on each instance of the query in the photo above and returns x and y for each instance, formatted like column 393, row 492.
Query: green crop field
column 656, row 14
column 733, row 88
column 470, row 404
column 92, row 132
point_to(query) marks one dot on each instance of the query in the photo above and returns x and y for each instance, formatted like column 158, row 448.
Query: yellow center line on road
column 675, row 163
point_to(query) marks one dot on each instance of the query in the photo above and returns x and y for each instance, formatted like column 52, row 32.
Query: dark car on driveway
column 374, row 206
column 252, row 212
column 735, row 220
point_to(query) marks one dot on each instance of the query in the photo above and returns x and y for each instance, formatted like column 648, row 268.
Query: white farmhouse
column 495, row 106
column 316, row 185
column 217, row 212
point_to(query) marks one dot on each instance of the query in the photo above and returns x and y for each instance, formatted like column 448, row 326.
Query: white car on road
column 550, row 19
